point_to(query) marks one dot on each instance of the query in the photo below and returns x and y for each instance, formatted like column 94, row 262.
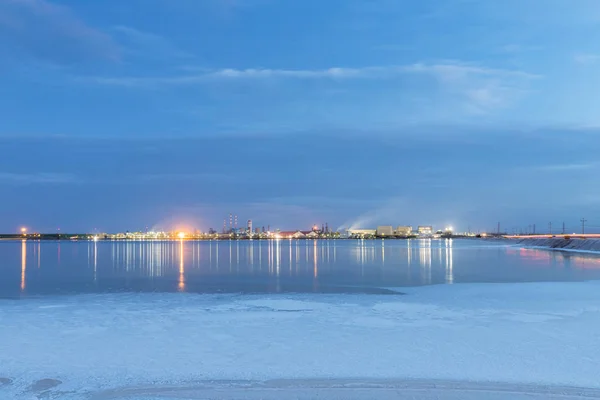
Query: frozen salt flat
column 516, row 334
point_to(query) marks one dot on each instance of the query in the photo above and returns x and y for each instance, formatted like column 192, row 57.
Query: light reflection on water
column 274, row 266
column 23, row 263
column 181, row 285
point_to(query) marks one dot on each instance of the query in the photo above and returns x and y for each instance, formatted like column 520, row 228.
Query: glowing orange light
column 181, row 235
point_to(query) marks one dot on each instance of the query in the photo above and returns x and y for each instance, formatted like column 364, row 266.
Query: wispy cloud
column 484, row 86
column 452, row 88
column 515, row 48
column 52, row 32
column 455, row 71
column 586, row 58
column 146, row 44
column 567, row 167
column 480, row 89
column 230, row 74
column 223, row 10
column 178, row 177
column 36, row 178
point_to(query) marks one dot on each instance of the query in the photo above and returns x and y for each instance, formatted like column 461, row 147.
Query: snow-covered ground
column 542, row 334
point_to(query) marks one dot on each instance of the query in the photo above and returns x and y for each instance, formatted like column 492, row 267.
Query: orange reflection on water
column 181, row 286
column 560, row 258
column 23, row 263
column 589, row 261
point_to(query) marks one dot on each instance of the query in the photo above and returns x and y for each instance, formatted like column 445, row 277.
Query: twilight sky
column 126, row 114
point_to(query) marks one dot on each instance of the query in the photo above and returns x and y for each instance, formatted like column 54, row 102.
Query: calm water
column 38, row 268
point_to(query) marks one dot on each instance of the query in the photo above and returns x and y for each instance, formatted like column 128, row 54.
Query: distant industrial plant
column 402, row 231
column 231, row 231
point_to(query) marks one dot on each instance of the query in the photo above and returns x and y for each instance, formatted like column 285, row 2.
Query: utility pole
column 550, row 227
column 563, row 228
column 498, row 228
column 583, row 221
column 534, row 229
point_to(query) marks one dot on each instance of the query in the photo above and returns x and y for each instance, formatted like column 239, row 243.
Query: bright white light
column 181, row 235
column 95, row 238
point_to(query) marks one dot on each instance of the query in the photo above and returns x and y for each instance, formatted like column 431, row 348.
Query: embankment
column 562, row 243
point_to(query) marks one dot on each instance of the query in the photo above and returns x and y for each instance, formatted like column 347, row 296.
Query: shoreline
column 575, row 245
column 351, row 389
column 561, row 250
column 239, row 239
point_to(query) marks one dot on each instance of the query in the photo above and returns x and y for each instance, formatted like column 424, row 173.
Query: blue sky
column 124, row 114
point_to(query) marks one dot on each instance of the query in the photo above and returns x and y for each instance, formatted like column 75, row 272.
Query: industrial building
column 404, row 231
column 425, row 230
column 362, row 232
column 290, row 235
column 385, row 230
column 297, row 235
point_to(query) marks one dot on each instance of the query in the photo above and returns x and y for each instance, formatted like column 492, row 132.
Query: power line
column 583, row 221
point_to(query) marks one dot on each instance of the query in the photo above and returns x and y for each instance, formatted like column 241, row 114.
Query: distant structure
column 249, row 228
column 404, row 231
column 291, row 235
column 385, row 230
column 362, row 232
column 425, row 230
